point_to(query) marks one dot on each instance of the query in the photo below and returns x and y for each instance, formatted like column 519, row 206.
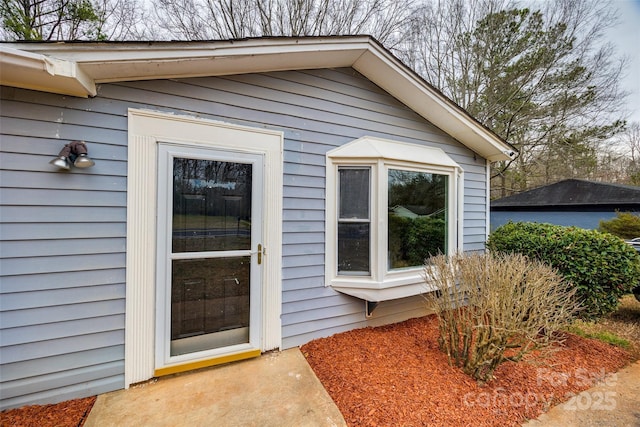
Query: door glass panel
column 211, row 205
column 209, row 297
column 210, row 293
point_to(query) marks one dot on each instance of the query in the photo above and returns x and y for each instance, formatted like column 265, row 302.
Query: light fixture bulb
column 62, row 162
column 83, row 161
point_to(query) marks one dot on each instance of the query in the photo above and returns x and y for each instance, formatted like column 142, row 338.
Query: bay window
column 389, row 206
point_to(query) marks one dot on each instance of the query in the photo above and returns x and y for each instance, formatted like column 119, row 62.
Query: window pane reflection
column 417, row 217
column 209, row 303
column 353, row 248
column 211, row 205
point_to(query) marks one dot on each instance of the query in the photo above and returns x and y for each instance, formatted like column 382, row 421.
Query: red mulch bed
column 71, row 413
column 396, row 375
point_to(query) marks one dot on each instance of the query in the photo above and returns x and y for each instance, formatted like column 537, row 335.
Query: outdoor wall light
column 73, row 153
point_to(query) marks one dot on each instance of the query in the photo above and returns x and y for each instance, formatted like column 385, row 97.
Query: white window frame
column 380, row 155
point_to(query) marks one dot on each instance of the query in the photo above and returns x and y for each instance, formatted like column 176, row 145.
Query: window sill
column 401, row 286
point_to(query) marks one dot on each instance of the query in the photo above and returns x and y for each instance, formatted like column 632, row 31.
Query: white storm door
column 209, row 260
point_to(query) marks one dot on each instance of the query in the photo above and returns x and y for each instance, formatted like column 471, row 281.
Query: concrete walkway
column 613, row 403
column 276, row 389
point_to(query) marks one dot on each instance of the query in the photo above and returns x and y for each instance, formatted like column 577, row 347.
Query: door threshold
column 220, row 360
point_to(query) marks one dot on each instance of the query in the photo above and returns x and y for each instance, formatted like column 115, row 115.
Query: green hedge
column 601, row 266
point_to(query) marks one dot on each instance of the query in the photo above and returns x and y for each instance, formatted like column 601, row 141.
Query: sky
column 626, row 37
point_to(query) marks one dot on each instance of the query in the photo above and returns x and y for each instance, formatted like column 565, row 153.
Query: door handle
column 260, row 253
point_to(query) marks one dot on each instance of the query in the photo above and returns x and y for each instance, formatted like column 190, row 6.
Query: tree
column 126, row 20
column 630, row 142
column 51, row 20
column 625, row 225
column 46, row 20
column 542, row 79
column 224, row 19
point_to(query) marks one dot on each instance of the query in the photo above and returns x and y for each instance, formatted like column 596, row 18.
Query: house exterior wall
column 62, row 260
column 583, row 219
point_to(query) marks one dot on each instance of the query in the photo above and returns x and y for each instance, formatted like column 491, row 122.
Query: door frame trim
column 146, row 130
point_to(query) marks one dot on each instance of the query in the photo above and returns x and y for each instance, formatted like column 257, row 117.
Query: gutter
column 27, row 70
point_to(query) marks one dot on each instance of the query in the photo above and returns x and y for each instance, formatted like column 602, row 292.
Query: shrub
column 602, row 267
column 496, row 307
column 625, row 225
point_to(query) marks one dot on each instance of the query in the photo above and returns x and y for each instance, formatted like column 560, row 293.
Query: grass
column 621, row 328
column 604, row 336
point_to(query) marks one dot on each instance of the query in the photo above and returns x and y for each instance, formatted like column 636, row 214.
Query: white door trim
column 146, row 130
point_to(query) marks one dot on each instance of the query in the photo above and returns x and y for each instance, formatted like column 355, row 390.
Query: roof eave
column 82, row 66
column 379, row 66
column 114, row 62
column 28, row 70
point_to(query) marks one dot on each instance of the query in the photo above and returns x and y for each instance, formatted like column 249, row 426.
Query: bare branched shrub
column 496, row 307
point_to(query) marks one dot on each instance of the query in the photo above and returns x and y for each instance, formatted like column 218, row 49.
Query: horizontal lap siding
column 62, row 250
column 85, row 211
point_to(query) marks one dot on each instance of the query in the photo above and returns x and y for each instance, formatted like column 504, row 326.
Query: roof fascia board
column 380, row 67
column 28, row 70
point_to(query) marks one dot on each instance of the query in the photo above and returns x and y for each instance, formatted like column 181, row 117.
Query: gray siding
column 62, row 251
column 63, row 234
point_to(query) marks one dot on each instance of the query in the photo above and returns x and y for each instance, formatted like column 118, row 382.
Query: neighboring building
column 570, row 202
column 238, row 203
